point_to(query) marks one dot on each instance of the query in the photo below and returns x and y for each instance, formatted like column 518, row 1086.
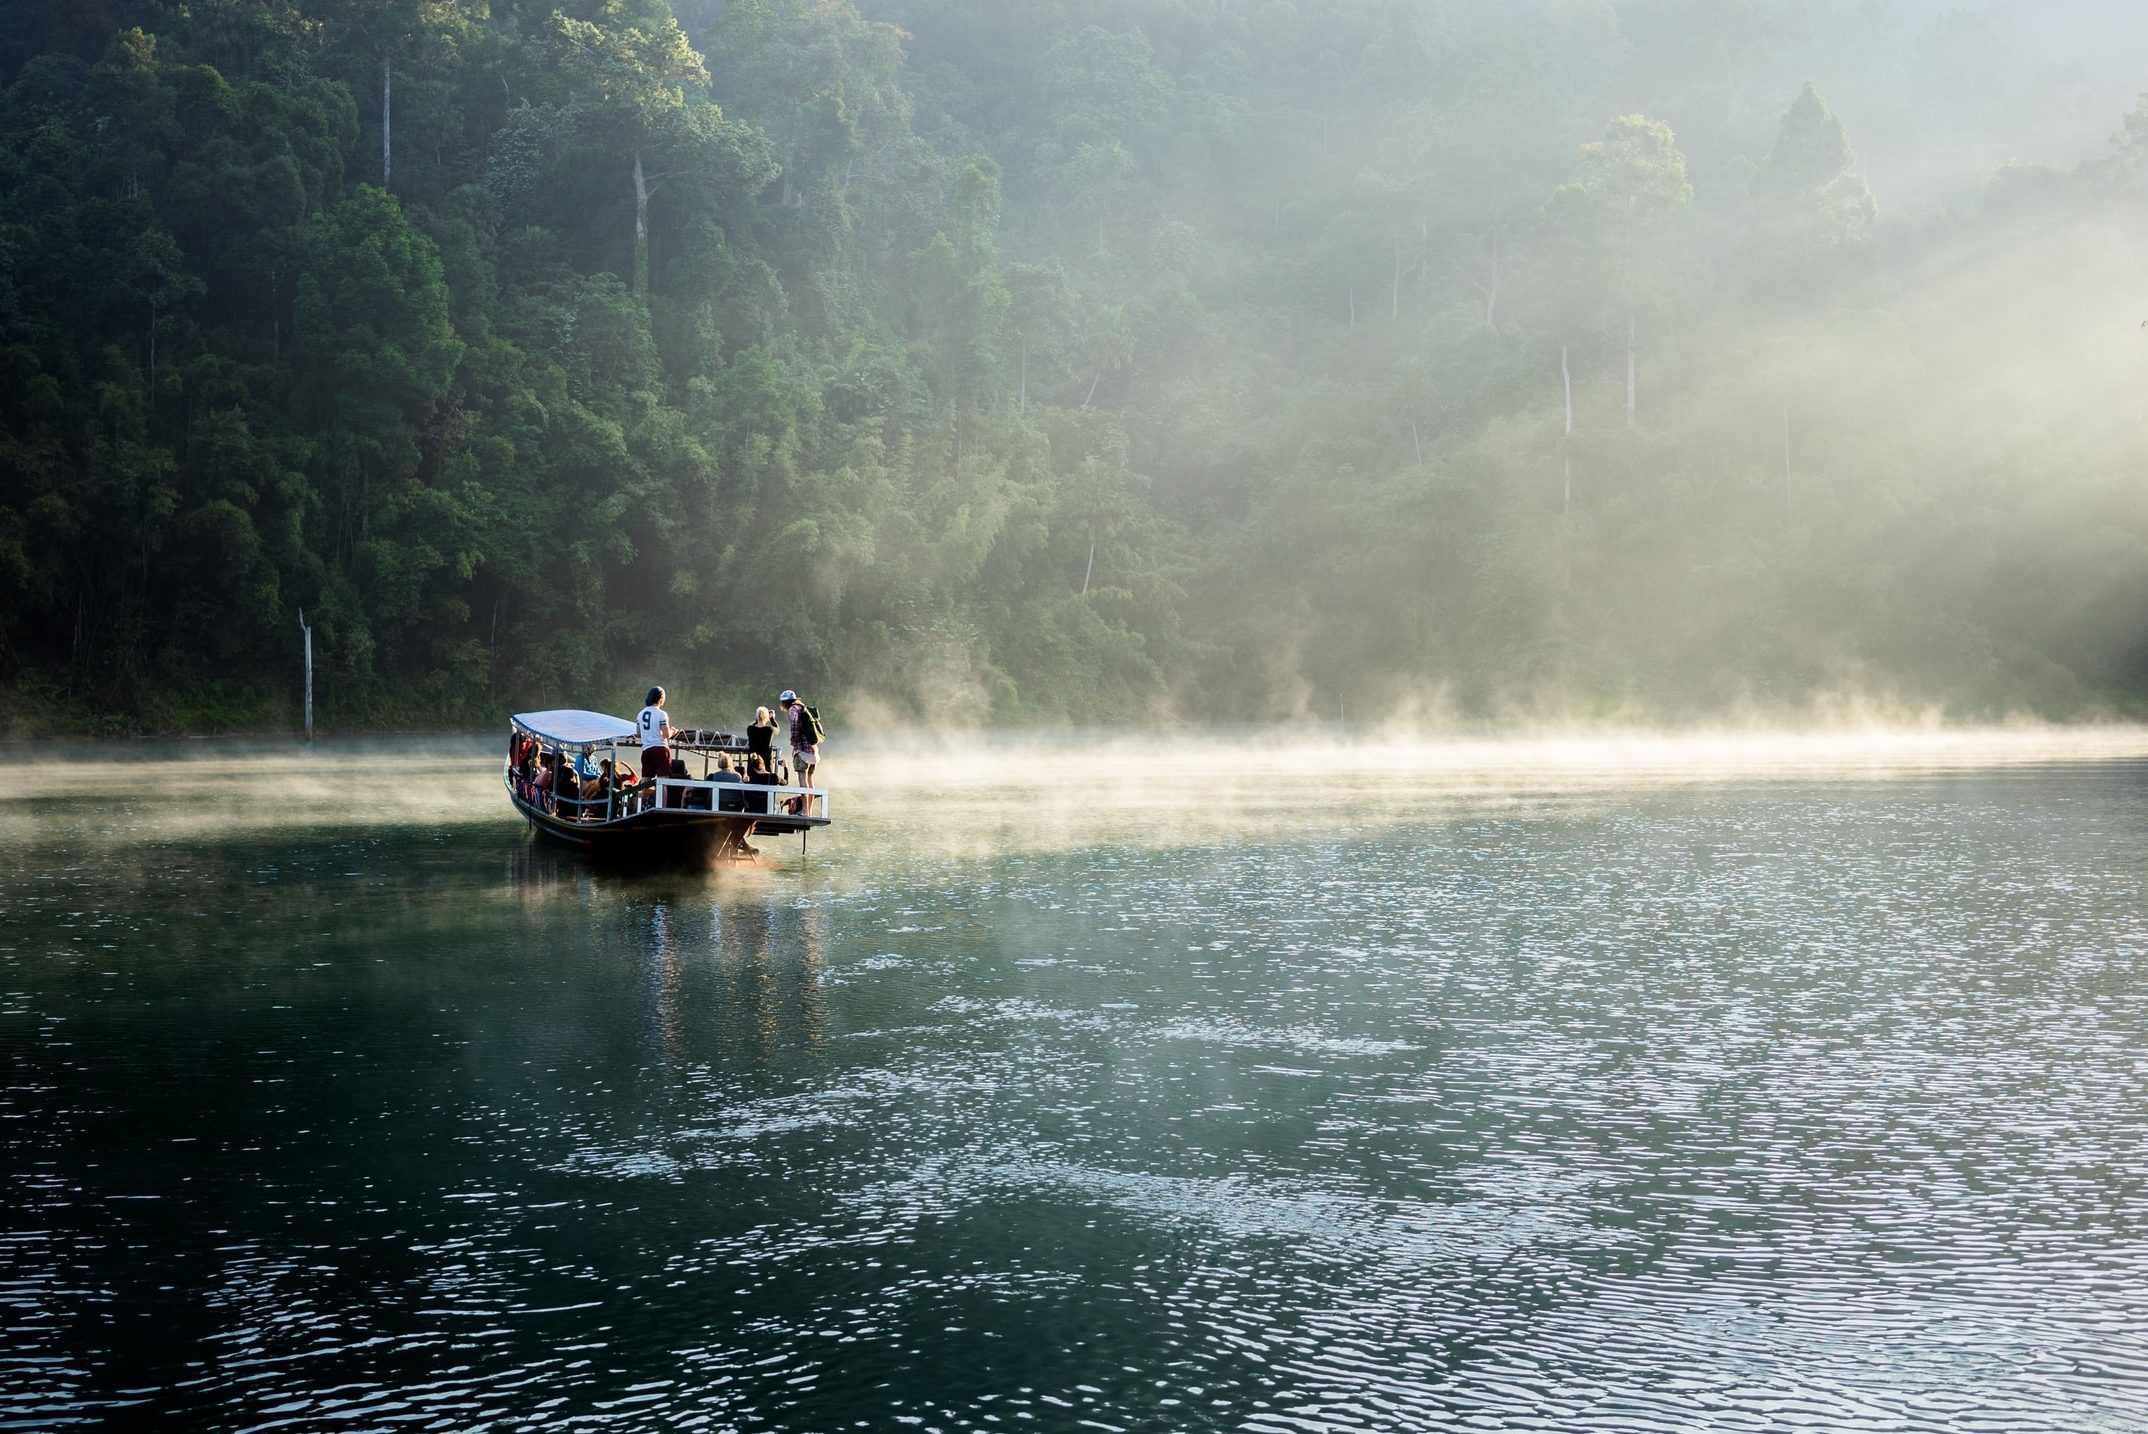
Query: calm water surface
column 1579, row 1099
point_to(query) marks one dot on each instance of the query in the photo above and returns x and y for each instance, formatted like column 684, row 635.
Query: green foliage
column 1811, row 201
column 370, row 327
column 1001, row 358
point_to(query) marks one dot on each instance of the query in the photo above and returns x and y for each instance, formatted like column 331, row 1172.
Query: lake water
column 1645, row 1085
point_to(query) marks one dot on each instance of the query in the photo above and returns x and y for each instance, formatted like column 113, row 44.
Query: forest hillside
column 1033, row 360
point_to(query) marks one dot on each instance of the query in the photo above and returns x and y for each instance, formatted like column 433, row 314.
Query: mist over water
column 1243, row 1082
column 970, row 793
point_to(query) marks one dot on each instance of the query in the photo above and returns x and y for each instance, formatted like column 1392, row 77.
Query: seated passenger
column 676, row 796
column 586, row 787
column 727, row 773
column 757, row 775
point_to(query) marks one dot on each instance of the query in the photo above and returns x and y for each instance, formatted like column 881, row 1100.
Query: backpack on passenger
column 810, row 728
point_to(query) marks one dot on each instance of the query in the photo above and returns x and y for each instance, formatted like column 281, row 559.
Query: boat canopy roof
column 573, row 728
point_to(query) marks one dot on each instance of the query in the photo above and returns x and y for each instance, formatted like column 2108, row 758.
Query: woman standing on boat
column 761, row 738
column 656, row 731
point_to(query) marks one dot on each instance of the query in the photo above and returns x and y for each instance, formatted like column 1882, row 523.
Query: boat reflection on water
column 729, row 950
column 766, row 961
column 537, row 873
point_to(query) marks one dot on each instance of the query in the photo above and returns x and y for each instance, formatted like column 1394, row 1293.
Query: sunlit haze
column 977, row 363
column 971, row 796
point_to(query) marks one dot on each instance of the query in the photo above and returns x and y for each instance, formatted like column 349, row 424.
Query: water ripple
column 1746, row 1106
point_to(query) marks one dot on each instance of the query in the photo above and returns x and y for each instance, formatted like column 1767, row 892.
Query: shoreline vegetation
column 1000, row 362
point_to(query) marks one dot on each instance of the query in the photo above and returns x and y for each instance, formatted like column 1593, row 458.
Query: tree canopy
column 1005, row 360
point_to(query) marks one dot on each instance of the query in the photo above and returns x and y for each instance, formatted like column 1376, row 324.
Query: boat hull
column 663, row 833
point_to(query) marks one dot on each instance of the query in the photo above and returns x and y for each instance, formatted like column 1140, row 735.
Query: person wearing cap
column 804, row 755
column 656, row 730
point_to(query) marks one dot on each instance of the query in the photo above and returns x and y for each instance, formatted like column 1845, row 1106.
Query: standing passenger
column 805, row 748
column 761, row 737
column 656, row 730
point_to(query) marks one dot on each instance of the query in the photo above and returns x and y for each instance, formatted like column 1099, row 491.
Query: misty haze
column 976, row 362
column 1297, row 716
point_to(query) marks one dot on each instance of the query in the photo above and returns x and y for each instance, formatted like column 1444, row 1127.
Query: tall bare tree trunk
column 1566, row 449
column 1353, row 306
column 1566, row 380
column 641, row 228
column 1417, row 443
column 1629, row 370
column 1087, row 572
column 387, row 94
column 1495, row 272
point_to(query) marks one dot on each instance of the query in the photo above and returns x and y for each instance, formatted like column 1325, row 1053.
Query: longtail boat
column 575, row 777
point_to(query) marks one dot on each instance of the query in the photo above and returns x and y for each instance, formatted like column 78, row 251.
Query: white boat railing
column 753, row 799
column 781, row 801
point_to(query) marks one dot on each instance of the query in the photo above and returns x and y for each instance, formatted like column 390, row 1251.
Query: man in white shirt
column 656, row 731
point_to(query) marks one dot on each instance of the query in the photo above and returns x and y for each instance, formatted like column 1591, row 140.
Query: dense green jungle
column 1092, row 360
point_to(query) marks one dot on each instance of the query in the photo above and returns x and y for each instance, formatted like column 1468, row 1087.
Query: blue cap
column 788, row 696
